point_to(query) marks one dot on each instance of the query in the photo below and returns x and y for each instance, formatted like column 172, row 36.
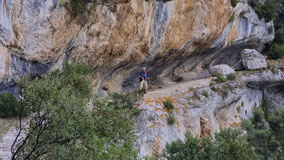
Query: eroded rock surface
column 253, row 60
column 221, row 68
column 198, row 114
column 155, row 34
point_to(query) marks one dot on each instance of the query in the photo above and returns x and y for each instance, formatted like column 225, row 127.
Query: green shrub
column 10, row 107
column 168, row 104
column 266, row 11
column 264, row 130
column 232, row 18
column 229, row 145
column 215, row 89
column 231, row 76
column 234, row 3
column 238, row 109
column 171, row 119
column 128, row 101
column 220, row 77
column 205, row 93
column 276, row 51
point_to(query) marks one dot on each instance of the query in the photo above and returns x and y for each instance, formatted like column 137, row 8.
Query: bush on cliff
column 265, row 132
column 229, row 144
column 234, row 3
column 10, row 107
column 64, row 125
column 276, row 51
column 266, row 11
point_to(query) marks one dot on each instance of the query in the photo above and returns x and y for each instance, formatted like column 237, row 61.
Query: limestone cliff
column 178, row 38
column 170, row 38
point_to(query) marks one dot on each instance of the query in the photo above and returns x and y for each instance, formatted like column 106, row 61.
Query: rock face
column 170, row 38
column 221, row 68
column 198, row 114
column 155, row 34
column 253, row 60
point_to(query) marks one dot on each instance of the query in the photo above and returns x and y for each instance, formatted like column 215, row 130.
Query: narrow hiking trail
column 6, row 143
column 7, row 140
column 177, row 87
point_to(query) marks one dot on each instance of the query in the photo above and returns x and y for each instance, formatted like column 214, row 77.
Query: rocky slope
column 201, row 115
column 173, row 39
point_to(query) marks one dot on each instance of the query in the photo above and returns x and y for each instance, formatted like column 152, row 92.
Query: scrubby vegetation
column 234, row 3
column 232, row 18
column 10, row 106
column 168, row 104
column 67, row 121
column 231, row 76
column 266, row 11
column 205, row 93
column 220, row 77
column 276, row 51
column 215, row 89
column 263, row 139
column 265, row 132
column 272, row 10
column 229, row 144
column 171, row 119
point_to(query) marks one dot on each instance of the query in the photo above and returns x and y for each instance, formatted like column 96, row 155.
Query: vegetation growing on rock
column 205, row 93
column 171, row 119
column 168, row 104
column 263, row 140
column 272, row 10
column 220, row 77
column 10, row 106
column 234, row 3
column 231, row 76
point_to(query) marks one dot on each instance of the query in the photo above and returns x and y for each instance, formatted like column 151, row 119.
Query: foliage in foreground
column 229, row 144
column 62, row 125
column 265, row 133
column 263, row 140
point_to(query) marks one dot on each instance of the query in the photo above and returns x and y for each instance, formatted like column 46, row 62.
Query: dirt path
column 7, row 140
column 171, row 89
column 6, row 143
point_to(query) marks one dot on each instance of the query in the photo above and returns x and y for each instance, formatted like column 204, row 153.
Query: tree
column 265, row 132
column 63, row 126
column 191, row 149
column 10, row 107
column 231, row 145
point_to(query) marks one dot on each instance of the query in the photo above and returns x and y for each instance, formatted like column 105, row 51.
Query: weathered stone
column 252, row 59
column 221, row 68
column 155, row 34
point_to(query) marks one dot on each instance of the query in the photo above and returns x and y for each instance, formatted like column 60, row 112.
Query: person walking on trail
column 143, row 77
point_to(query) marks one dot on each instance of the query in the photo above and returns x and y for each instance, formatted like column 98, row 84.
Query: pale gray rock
column 221, row 68
column 252, row 59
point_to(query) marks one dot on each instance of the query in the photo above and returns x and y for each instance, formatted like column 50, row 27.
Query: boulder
column 221, row 68
column 253, row 60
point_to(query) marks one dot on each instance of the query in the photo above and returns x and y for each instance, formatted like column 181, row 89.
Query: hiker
column 143, row 77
